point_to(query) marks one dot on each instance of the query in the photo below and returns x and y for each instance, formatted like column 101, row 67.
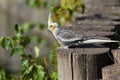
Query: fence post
column 82, row 63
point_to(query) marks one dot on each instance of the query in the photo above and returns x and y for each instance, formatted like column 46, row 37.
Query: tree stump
column 110, row 70
column 82, row 63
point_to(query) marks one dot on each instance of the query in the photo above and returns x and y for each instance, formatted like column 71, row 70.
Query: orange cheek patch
column 54, row 27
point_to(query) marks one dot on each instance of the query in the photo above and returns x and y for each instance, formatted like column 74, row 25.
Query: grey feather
column 67, row 37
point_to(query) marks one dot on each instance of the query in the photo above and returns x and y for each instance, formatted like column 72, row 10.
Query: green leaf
column 25, row 41
column 41, row 40
column 40, row 26
column 33, row 38
column 3, row 42
column 54, row 76
column 33, row 3
column 1, row 39
column 46, row 4
column 6, row 43
column 17, row 27
column 67, row 4
column 19, row 33
column 27, row 71
column 18, row 36
column 26, row 27
column 25, row 64
column 40, row 74
column 55, row 1
column 17, row 50
column 30, row 2
column 53, row 57
column 2, row 74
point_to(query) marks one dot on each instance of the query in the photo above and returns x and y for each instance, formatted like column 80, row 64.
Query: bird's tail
column 98, row 41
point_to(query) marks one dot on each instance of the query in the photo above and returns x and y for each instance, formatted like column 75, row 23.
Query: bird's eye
column 50, row 25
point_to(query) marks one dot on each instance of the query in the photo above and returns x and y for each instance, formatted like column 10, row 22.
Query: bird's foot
column 65, row 47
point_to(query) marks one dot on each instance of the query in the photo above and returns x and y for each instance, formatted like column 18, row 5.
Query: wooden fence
column 93, row 62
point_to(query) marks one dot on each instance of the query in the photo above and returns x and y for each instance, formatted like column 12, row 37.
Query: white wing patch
column 69, row 40
column 98, row 41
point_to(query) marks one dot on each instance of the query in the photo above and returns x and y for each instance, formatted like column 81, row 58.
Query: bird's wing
column 68, row 36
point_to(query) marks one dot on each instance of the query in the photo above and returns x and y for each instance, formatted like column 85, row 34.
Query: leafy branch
column 32, row 67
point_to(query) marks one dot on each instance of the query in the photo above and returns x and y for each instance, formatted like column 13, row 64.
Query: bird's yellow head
column 53, row 27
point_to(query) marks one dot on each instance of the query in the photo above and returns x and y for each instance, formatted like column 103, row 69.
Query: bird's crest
column 50, row 19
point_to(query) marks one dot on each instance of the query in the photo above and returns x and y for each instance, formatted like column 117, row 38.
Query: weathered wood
column 91, row 27
column 115, row 76
column 106, row 79
column 110, row 70
column 64, row 65
column 97, row 16
column 116, row 55
column 97, row 22
column 98, row 6
column 86, row 32
column 82, row 63
column 94, row 33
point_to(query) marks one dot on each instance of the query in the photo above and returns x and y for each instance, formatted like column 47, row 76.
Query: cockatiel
column 68, row 37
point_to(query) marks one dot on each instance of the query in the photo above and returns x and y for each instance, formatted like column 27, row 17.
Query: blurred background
column 32, row 16
column 14, row 12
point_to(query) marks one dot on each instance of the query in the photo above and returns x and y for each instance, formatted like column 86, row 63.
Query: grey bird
column 68, row 37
